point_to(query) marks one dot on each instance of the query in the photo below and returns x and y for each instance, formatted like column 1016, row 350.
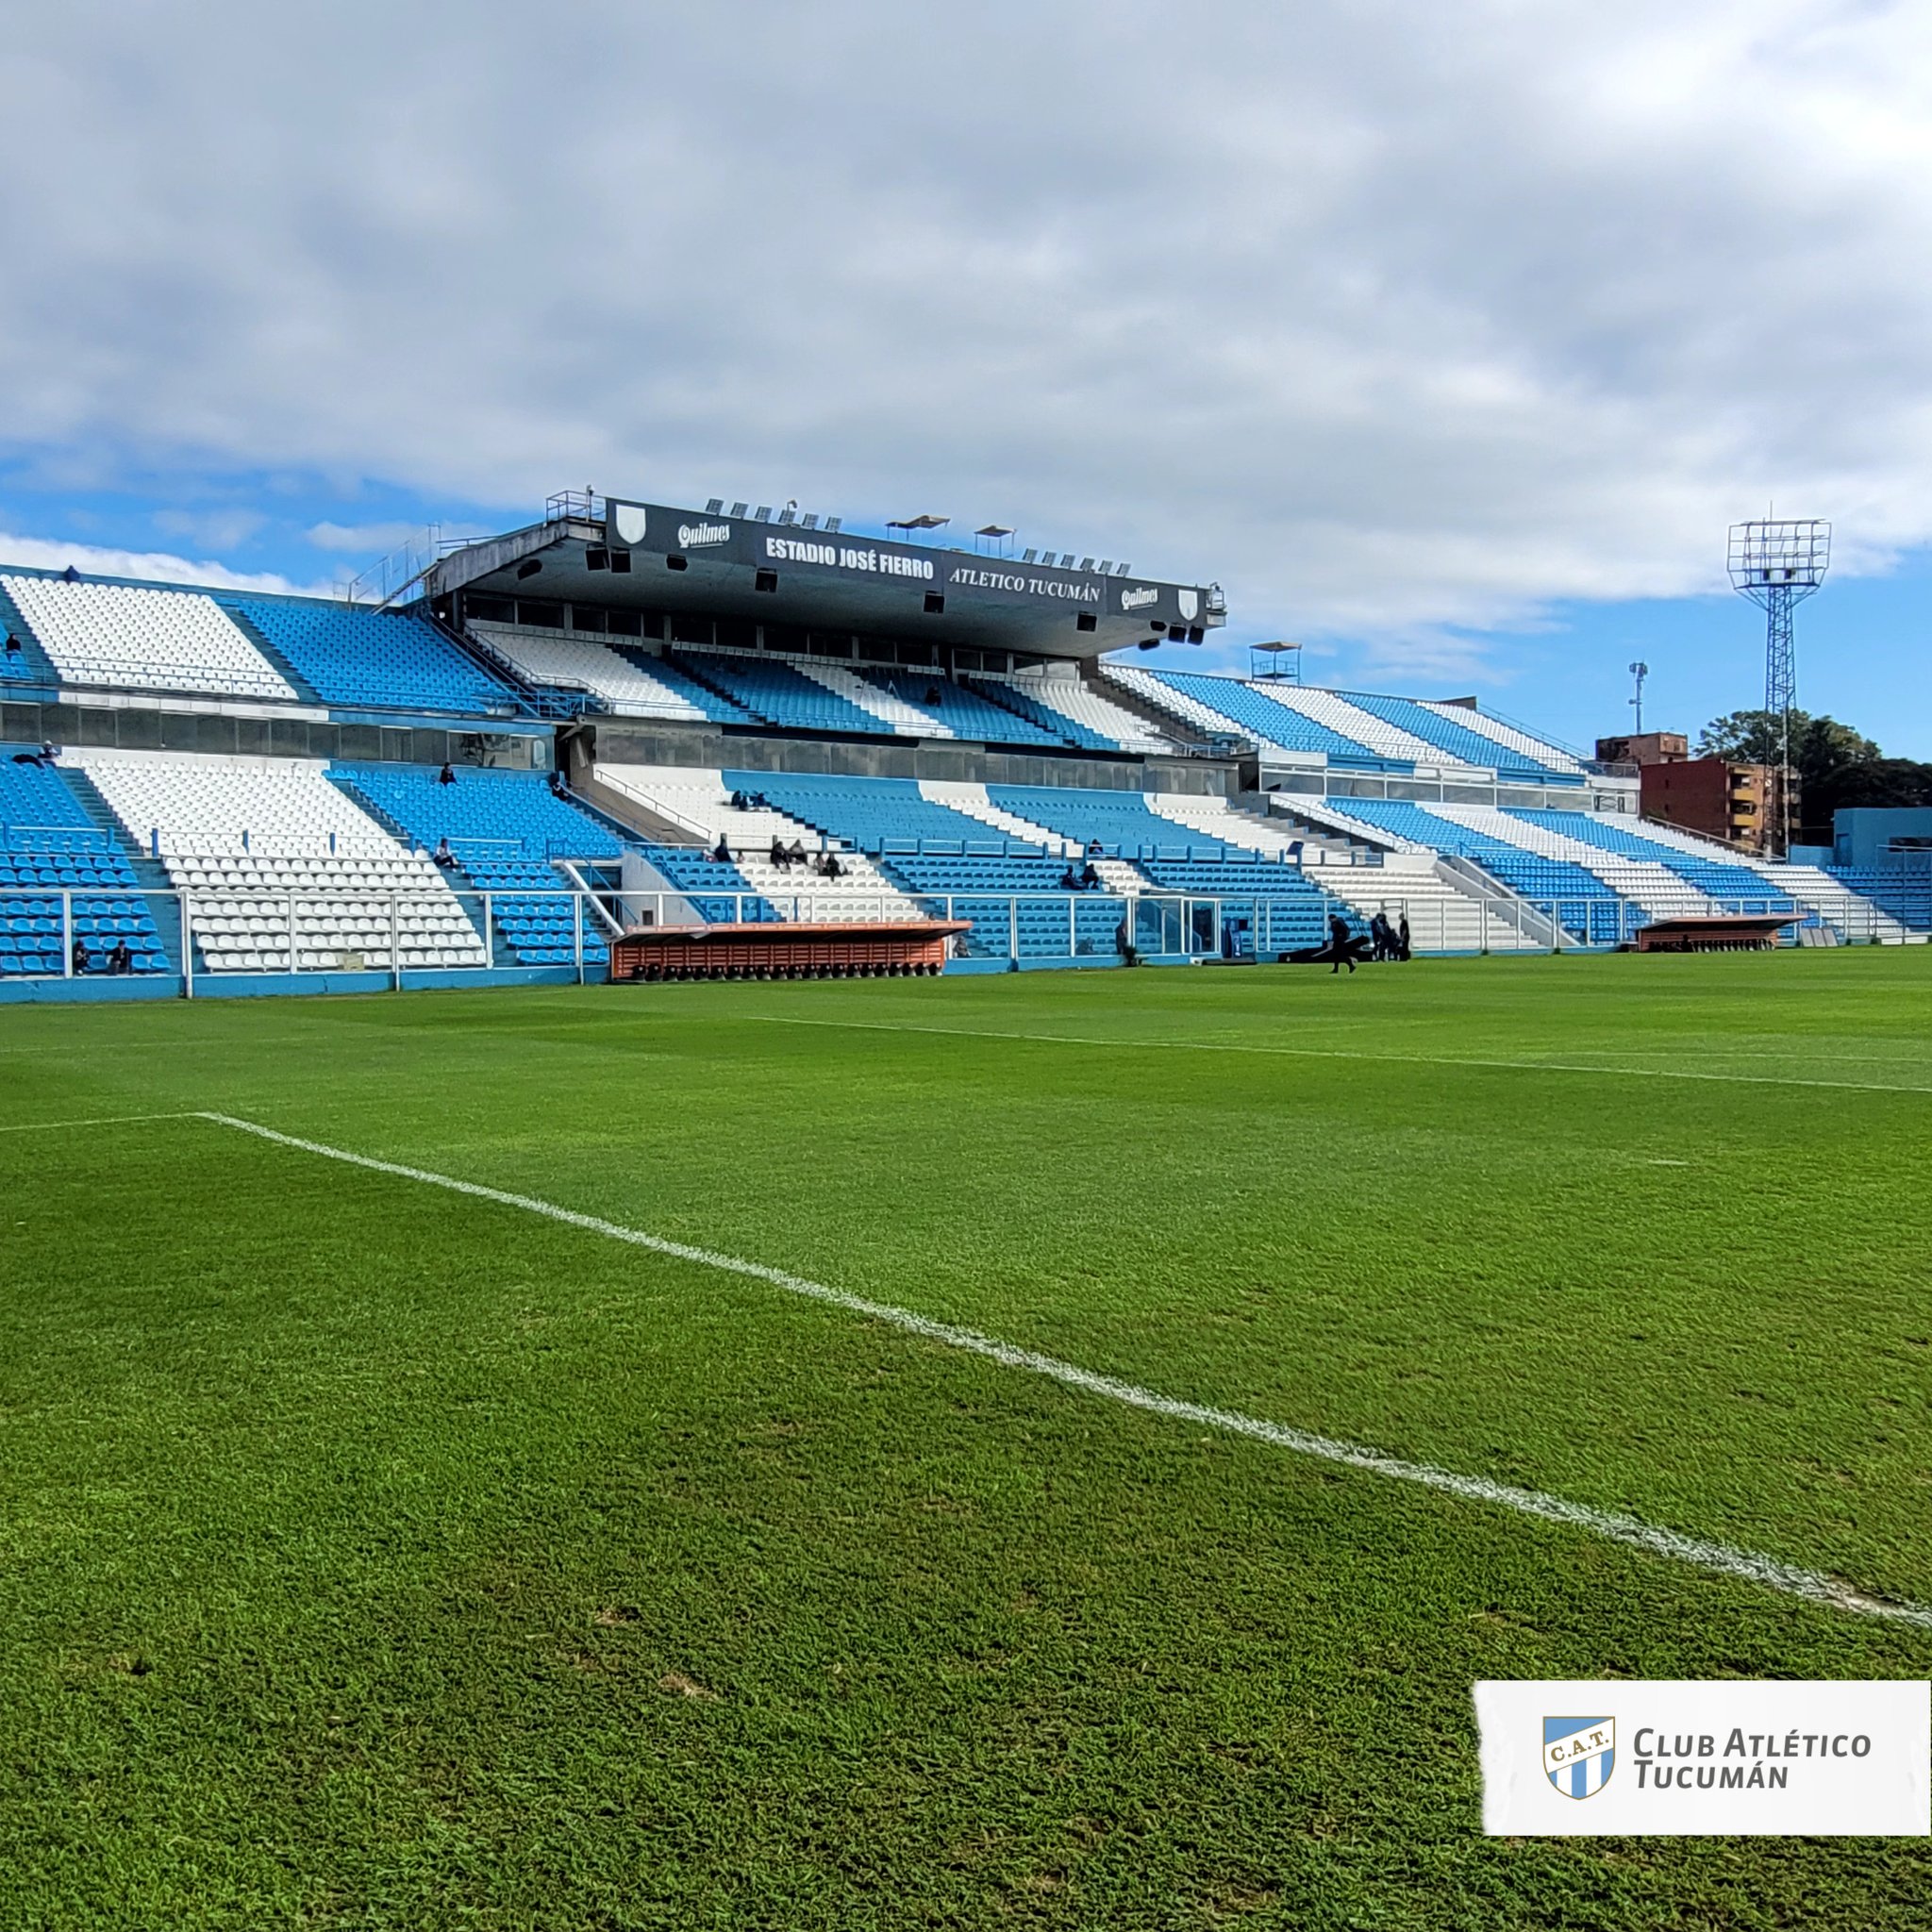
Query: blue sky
column 1449, row 341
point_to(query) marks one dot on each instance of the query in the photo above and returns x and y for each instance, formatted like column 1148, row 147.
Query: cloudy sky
column 1448, row 338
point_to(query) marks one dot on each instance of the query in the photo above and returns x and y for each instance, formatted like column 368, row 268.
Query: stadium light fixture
column 738, row 511
column 1640, row 671
column 715, row 507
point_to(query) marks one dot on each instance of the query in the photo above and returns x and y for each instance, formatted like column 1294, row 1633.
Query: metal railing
column 396, row 935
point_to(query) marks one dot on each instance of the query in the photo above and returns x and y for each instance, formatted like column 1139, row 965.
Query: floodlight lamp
column 1782, row 560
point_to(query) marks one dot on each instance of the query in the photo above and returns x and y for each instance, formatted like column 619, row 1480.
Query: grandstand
column 254, row 785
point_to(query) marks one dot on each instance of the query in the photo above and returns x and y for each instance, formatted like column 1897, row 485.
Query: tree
column 1835, row 766
column 1820, row 746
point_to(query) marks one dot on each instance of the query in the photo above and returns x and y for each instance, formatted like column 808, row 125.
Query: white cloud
column 218, row 530
column 94, row 560
column 361, row 539
column 1396, row 318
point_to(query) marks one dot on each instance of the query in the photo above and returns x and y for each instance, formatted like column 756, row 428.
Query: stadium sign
column 726, row 550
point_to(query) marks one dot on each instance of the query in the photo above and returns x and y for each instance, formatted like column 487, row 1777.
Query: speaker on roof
column 935, row 603
column 620, row 563
column 596, row 558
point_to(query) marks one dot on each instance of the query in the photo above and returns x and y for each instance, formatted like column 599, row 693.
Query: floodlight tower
column 1778, row 565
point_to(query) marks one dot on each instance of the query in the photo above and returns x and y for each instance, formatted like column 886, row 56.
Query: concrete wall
column 638, row 742
column 1862, row 835
column 232, row 733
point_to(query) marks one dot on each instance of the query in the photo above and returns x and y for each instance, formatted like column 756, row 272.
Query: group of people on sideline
column 1387, row 941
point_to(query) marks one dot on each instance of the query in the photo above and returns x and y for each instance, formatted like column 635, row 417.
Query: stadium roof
column 653, row 557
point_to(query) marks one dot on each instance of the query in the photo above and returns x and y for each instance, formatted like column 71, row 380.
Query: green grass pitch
column 375, row 1557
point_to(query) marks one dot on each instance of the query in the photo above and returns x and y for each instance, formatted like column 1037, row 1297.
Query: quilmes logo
column 1138, row 598
column 1579, row 1754
column 691, row 535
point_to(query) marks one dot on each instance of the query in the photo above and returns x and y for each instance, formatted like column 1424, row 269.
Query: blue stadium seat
column 773, row 691
column 1458, row 740
column 351, row 656
column 505, row 827
column 1737, row 887
column 47, row 845
column 1906, row 894
column 1268, row 720
column 965, row 712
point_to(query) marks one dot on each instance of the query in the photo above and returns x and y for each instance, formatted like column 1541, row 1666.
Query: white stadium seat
column 250, row 840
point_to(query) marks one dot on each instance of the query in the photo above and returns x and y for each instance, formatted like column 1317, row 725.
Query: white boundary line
column 1700, row 1553
column 1337, row 1053
column 110, row 1120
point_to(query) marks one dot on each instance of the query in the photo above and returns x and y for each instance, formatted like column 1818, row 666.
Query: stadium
column 551, row 739
column 576, row 1428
